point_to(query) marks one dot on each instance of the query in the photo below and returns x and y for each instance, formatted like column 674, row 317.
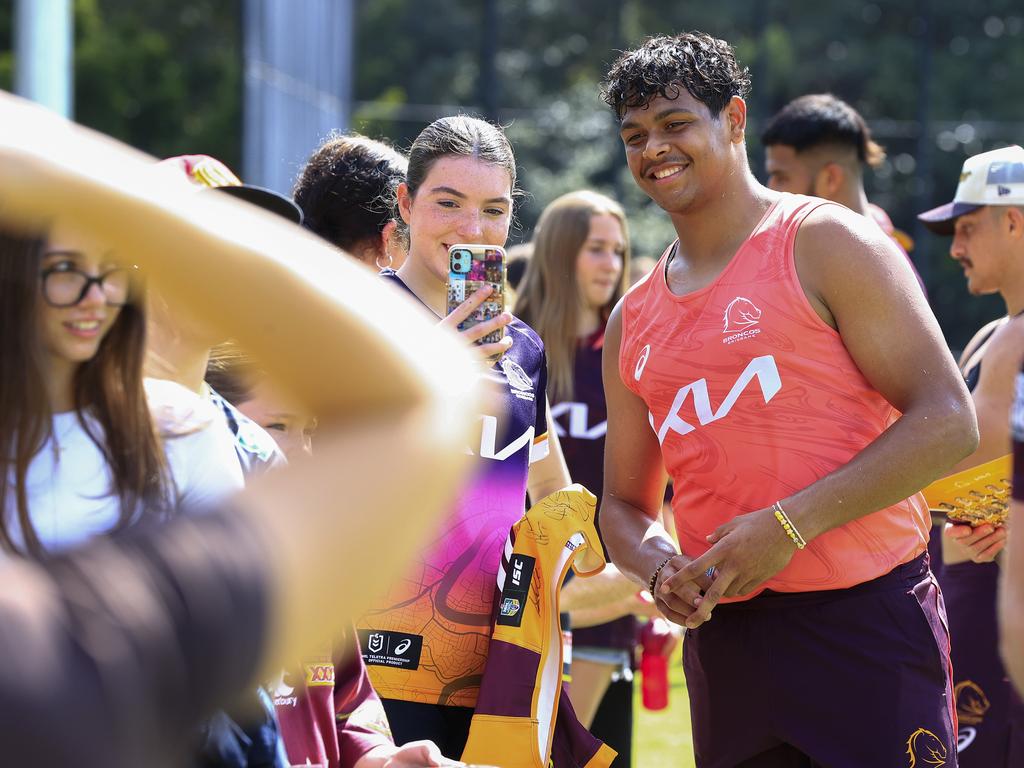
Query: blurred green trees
column 164, row 77
column 936, row 79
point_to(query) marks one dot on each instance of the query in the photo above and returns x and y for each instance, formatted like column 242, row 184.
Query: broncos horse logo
column 739, row 314
column 971, row 702
column 925, row 749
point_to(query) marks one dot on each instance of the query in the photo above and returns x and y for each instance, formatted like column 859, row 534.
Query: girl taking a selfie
column 425, row 645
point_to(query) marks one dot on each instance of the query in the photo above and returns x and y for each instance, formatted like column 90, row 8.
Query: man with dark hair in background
column 818, row 145
column 748, row 365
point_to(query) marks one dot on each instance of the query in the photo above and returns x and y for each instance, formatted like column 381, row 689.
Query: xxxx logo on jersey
column 319, row 674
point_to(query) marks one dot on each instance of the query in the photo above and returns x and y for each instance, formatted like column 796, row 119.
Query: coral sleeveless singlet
column 753, row 397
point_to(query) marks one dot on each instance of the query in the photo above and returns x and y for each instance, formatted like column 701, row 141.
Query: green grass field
column 663, row 738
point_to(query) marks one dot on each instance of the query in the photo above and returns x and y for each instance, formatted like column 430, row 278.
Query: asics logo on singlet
column 761, row 368
column 642, row 361
column 489, row 439
column 579, row 419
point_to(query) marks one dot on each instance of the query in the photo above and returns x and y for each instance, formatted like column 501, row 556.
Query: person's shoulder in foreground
column 106, row 653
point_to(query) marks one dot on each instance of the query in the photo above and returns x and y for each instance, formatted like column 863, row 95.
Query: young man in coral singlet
column 782, row 363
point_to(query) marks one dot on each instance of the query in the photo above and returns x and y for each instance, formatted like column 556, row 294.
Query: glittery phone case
column 470, row 267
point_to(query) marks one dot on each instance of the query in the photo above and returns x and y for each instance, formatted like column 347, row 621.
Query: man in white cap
column 986, row 220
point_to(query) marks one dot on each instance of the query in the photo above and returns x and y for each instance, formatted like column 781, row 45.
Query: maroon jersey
column 581, row 424
column 330, row 715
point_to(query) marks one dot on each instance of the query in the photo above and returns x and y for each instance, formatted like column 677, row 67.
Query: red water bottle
column 655, row 637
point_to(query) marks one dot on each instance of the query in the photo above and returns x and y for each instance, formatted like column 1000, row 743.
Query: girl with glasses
column 123, row 644
column 84, row 452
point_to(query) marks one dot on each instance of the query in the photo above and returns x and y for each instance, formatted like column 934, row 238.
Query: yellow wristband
column 787, row 526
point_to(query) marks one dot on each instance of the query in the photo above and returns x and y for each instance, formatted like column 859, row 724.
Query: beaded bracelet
column 653, row 583
column 787, row 526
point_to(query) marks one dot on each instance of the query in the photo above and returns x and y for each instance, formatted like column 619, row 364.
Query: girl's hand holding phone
column 493, row 351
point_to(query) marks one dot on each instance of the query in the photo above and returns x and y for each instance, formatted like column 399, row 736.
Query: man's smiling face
column 677, row 151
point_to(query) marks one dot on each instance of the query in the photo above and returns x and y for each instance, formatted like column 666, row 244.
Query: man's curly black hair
column 705, row 66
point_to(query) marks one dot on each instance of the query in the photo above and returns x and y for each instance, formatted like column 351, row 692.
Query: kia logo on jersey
column 489, row 441
column 763, row 369
column 579, row 421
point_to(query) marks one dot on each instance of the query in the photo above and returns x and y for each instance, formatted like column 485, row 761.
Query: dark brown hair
column 704, row 65
column 819, row 119
column 108, row 387
column 232, row 373
column 459, row 136
column 549, row 298
column 347, row 190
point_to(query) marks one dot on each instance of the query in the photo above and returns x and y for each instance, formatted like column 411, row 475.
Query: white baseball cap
column 991, row 178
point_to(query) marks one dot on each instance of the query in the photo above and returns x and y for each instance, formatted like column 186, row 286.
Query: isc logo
column 761, row 368
column 517, row 573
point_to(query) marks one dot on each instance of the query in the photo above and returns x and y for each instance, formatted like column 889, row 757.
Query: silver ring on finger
column 710, row 572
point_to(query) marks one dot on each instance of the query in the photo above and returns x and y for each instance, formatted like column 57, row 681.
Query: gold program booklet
column 974, row 496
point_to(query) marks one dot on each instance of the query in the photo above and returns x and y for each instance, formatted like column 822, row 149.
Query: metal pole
column 618, row 43
column 921, row 195
column 489, row 42
column 298, row 84
column 43, row 47
column 759, row 93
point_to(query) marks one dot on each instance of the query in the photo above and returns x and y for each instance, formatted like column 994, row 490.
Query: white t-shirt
column 69, row 484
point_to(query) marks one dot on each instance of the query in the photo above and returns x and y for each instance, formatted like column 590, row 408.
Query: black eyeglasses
column 65, row 286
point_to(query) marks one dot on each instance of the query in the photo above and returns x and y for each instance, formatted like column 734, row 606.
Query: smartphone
column 470, row 268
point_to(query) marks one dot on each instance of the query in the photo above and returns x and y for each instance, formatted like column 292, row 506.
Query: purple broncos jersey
column 427, row 640
column 581, row 425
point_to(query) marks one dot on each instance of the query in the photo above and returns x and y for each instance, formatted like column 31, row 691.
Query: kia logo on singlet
column 739, row 314
column 761, row 368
